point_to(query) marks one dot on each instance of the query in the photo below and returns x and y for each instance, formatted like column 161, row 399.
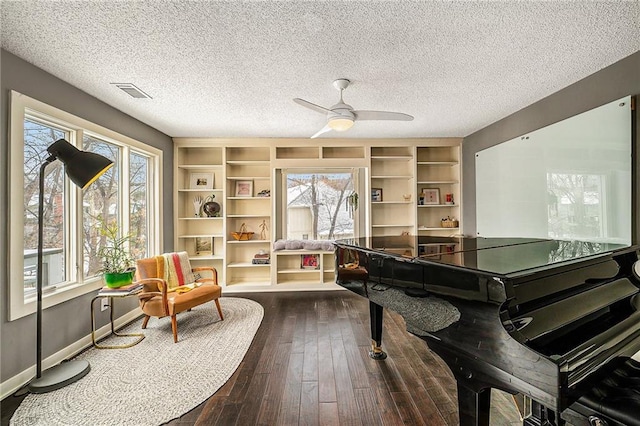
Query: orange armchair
column 158, row 299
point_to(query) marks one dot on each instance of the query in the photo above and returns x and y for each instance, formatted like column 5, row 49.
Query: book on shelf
column 259, row 261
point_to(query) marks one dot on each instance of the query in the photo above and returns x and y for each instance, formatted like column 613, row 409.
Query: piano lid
column 499, row 256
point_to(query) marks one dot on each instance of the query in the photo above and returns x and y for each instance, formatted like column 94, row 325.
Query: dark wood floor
column 309, row 365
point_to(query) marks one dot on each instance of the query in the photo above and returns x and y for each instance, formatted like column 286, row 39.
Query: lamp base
column 59, row 376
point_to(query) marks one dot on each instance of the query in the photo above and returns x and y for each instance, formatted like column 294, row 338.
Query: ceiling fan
column 341, row 116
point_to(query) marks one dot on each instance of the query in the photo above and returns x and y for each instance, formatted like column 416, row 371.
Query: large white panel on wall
column 569, row 180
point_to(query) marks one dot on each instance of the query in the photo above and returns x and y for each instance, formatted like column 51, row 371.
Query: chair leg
column 219, row 310
column 174, row 328
column 145, row 321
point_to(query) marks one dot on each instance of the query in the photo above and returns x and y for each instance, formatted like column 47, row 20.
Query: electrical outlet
column 104, row 304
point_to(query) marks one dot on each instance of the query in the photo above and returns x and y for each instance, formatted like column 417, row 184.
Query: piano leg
column 375, row 316
column 473, row 407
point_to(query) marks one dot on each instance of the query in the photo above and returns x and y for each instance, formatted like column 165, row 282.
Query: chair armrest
column 148, row 295
column 214, row 274
column 153, row 287
column 152, row 284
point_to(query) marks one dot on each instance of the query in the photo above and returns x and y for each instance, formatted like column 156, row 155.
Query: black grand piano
column 555, row 321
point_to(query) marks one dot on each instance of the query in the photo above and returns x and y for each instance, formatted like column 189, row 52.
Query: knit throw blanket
column 175, row 269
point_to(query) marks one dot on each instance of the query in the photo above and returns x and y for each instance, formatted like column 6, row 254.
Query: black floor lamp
column 83, row 168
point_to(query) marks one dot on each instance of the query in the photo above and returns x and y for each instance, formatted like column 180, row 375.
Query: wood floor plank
column 322, row 307
column 326, row 378
column 268, row 350
column 367, row 408
column 211, row 411
column 357, row 371
column 391, row 375
column 289, row 411
column 309, row 405
column 299, row 332
column 228, row 415
column 429, row 409
column 328, row 413
column 270, row 405
column 310, row 362
column 407, row 409
column 287, row 329
column 347, row 407
column 385, row 405
column 252, row 400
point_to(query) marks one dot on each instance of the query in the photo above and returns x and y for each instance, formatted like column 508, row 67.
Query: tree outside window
column 37, row 137
column 316, row 205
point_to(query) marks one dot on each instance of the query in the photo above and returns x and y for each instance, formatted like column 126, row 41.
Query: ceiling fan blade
column 382, row 115
column 309, row 105
column 325, row 129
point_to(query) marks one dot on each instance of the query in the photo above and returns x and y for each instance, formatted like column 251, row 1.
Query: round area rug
column 156, row 380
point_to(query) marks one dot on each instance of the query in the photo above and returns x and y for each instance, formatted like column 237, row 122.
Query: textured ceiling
column 231, row 69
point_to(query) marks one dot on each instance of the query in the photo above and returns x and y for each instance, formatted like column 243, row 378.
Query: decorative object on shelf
column 263, row 230
column 242, row 234
column 204, row 246
column 264, row 193
column 261, row 258
column 309, row 261
column 201, row 180
column 83, row 168
column 449, row 222
column 210, row 207
column 117, row 264
column 352, row 204
column 406, row 197
column 376, row 195
column 448, row 199
column 244, row 188
column 197, row 205
column 431, row 196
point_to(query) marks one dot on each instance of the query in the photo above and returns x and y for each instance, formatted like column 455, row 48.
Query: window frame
column 21, row 107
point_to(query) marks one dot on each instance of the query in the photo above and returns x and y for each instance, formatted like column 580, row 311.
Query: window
column 37, row 137
column 128, row 194
column 100, row 203
column 139, row 204
column 317, row 205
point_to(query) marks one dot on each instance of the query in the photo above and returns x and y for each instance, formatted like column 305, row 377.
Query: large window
column 127, row 194
column 37, row 137
column 101, row 203
column 317, row 204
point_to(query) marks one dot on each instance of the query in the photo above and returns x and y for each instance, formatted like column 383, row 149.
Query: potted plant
column 117, row 263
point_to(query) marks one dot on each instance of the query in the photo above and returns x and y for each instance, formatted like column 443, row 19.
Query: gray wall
column 67, row 322
column 611, row 83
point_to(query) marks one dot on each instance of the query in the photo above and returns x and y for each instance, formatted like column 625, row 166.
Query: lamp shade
column 82, row 167
column 340, row 124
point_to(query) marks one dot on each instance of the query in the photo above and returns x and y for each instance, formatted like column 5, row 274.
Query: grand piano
column 555, row 321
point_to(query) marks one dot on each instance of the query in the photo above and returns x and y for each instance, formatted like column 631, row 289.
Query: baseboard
column 11, row 385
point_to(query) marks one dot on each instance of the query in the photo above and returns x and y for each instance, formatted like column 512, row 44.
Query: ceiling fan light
column 340, row 124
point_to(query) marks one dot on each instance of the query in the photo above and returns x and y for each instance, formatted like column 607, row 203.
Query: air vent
column 131, row 90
